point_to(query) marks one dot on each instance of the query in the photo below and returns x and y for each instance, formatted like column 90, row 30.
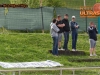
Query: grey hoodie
column 54, row 30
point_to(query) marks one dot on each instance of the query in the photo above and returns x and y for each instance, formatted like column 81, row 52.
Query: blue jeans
column 66, row 39
column 55, row 46
column 74, row 39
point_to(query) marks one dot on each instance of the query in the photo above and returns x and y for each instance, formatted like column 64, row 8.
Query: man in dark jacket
column 74, row 29
column 60, row 25
column 66, row 29
column 92, row 31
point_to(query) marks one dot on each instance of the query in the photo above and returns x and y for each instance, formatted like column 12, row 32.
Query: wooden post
column 42, row 16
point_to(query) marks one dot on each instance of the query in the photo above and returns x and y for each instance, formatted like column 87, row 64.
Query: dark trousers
column 66, row 39
column 74, row 39
column 55, row 46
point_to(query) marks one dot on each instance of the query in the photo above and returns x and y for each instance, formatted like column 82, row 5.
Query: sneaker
column 94, row 55
column 62, row 49
column 91, row 55
column 59, row 48
column 73, row 50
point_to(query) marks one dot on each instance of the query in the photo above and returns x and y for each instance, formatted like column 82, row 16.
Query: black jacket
column 60, row 28
column 66, row 27
column 92, row 33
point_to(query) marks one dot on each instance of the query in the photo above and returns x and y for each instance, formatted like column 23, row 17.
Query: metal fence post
column 19, row 73
column 61, row 72
column 73, row 72
column 13, row 73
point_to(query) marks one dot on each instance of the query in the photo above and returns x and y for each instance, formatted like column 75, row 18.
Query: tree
column 54, row 3
column 30, row 3
column 97, row 0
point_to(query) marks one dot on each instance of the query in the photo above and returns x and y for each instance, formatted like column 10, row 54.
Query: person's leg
column 66, row 39
column 73, row 41
column 91, row 47
column 91, row 51
column 59, row 40
column 54, row 45
column 94, row 52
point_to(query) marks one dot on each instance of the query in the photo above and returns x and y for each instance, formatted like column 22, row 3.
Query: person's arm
column 77, row 26
column 55, row 28
column 72, row 25
column 96, row 30
column 60, row 25
column 90, row 29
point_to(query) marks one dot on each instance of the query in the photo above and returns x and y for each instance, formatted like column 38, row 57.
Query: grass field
column 34, row 47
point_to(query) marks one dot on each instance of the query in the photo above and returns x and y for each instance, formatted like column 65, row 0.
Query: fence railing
column 47, row 69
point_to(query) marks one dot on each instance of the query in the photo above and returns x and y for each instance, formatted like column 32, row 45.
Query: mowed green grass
column 4, row 1
column 34, row 47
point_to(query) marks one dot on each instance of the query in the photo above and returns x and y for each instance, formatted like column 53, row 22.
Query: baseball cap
column 73, row 17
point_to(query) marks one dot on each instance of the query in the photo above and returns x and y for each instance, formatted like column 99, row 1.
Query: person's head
column 66, row 16
column 59, row 17
column 73, row 18
column 91, row 24
column 54, row 21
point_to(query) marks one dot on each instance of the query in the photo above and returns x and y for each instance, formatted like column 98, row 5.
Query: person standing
column 54, row 34
column 74, row 29
column 92, row 31
column 60, row 25
column 66, row 29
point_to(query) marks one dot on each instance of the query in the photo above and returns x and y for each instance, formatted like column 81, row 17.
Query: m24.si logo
column 86, row 11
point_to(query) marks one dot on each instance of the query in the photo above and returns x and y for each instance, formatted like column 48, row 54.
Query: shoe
column 91, row 55
column 73, row 50
column 62, row 49
column 94, row 55
column 59, row 49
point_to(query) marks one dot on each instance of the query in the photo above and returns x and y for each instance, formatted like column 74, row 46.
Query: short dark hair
column 58, row 16
column 54, row 20
column 66, row 15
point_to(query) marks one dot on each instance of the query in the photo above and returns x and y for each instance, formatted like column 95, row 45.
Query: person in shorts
column 60, row 25
column 92, row 31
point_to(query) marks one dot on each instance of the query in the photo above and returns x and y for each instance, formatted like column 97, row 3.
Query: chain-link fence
column 40, row 18
column 33, row 19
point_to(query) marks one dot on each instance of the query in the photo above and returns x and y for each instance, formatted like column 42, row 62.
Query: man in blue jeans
column 66, row 30
column 74, row 29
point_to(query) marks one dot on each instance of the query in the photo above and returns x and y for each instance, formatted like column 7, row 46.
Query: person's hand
column 95, row 26
column 76, row 26
column 63, row 24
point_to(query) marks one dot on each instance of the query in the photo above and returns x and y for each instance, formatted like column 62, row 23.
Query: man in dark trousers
column 74, row 29
column 66, row 29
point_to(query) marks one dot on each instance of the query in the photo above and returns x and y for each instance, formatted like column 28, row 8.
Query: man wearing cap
column 66, row 29
column 74, row 29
